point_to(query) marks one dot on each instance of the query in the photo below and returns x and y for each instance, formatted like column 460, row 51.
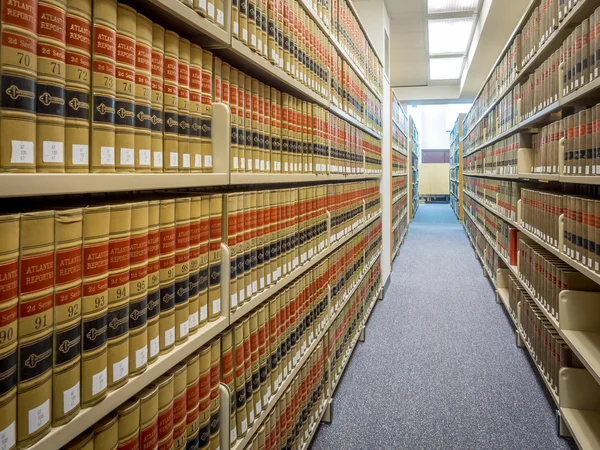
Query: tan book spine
column 214, row 258
column 260, row 240
column 233, row 106
column 153, row 303
column 194, row 275
column 195, row 129
column 106, row 432
column 158, row 73
column 204, row 398
column 9, row 289
column 85, row 441
column 36, row 301
column 261, row 127
column 262, row 20
column 215, row 402
column 247, row 245
column 183, row 109
column 210, row 10
column 200, row 7
column 240, row 251
column 235, row 20
column 167, row 276
column 203, row 278
column 118, row 295
column 240, row 380
column 207, row 99
column 66, row 383
column 273, row 30
column 255, row 365
column 256, row 150
column 241, row 122
column 125, row 89
column 104, row 53
column 51, row 66
column 192, row 400
column 249, row 143
column 182, row 268
column 253, row 243
column 275, row 131
column 220, row 13
column 273, row 343
column 77, row 85
column 129, row 424
column 179, row 406
column 165, row 386
column 138, row 288
column 228, row 379
column 148, row 418
column 230, row 234
column 267, row 129
column 171, row 103
column 94, row 309
column 226, row 72
column 19, row 26
column 248, row 372
column 143, row 94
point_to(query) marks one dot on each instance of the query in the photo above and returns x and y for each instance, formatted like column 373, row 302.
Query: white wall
column 376, row 20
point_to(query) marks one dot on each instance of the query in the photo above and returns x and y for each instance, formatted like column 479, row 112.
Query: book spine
column 266, row 129
column 106, row 432
column 260, row 239
column 241, row 121
column 179, row 405
column 253, row 243
column 240, row 252
column 200, row 7
column 148, row 418
column 228, row 379
column 248, row 372
column 153, row 302
column 196, row 108
column 167, row 276
column 226, row 72
column 51, row 67
column 207, row 98
column 230, row 235
column 247, row 245
column 204, row 388
column 235, row 21
column 143, row 94
column 66, row 382
column 255, row 401
column 210, row 10
column 129, row 424
column 77, row 85
column 94, row 377
column 9, row 288
column 192, row 401
column 171, row 102
column 35, row 326
column 264, row 355
column 182, row 268
column 138, row 288
column 157, row 120
column 19, row 27
column 125, row 89
column 240, row 380
column 183, row 91
column 233, row 106
column 203, row 280
column 215, row 403
column 118, row 295
column 194, row 275
column 248, row 143
column 165, row 386
column 214, row 258
column 104, row 83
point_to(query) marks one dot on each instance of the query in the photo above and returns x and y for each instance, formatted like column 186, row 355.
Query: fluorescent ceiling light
column 450, row 35
column 445, row 68
column 450, row 6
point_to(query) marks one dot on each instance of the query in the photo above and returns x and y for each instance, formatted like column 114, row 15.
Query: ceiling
column 494, row 22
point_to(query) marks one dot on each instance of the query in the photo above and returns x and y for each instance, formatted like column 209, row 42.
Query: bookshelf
column 456, row 171
column 414, row 157
column 399, row 174
column 364, row 286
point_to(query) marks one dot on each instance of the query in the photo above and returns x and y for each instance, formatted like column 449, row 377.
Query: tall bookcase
column 399, row 173
column 531, row 180
column 456, row 171
column 415, row 154
column 319, row 304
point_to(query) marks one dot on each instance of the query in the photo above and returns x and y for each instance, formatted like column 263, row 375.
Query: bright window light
column 450, row 35
column 445, row 68
column 450, row 6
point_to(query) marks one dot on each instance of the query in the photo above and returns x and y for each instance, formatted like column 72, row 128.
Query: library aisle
column 439, row 367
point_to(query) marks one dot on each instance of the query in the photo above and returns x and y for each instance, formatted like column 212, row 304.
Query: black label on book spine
column 78, row 104
column 35, row 358
column 51, row 100
column 138, row 313
column 182, row 289
column 8, row 376
column 153, row 304
column 167, row 297
column 67, row 345
column 118, row 321
column 94, row 333
column 18, row 93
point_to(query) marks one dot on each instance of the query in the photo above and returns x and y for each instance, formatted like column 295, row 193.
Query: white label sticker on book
column 107, row 156
column 233, row 435
column 211, row 10
column 244, row 425
column 154, row 347
column 53, row 152
column 145, row 157
column 186, row 160
column 158, row 159
column 173, row 159
column 79, row 155
column 141, row 357
column 203, row 4
column 169, row 337
column 183, row 329
column 253, row 40
column 244, row 34
column 8, row 437
column 262, row 283
column 38, row 417
column 243, row 163
column 99, row 382
column 71, row 398
column 197, row 161
column 235, row 162
column 236, row 28
column 127, row 157
column 193, row 320
column 234, row 300
column 254, row 287
column 22, row 152
column 258, row 408
column 203, row 313
column 216, row 306
column 121, row 369
column 220, row 17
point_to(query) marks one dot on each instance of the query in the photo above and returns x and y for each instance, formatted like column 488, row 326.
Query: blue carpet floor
column 439, row 368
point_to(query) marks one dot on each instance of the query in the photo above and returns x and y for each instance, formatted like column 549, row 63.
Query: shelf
column 399, row 174
column 584, row 426
column 544, row 177
column 358, row 124
column 60, row 436
column 261, row 297
column 281, row 178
